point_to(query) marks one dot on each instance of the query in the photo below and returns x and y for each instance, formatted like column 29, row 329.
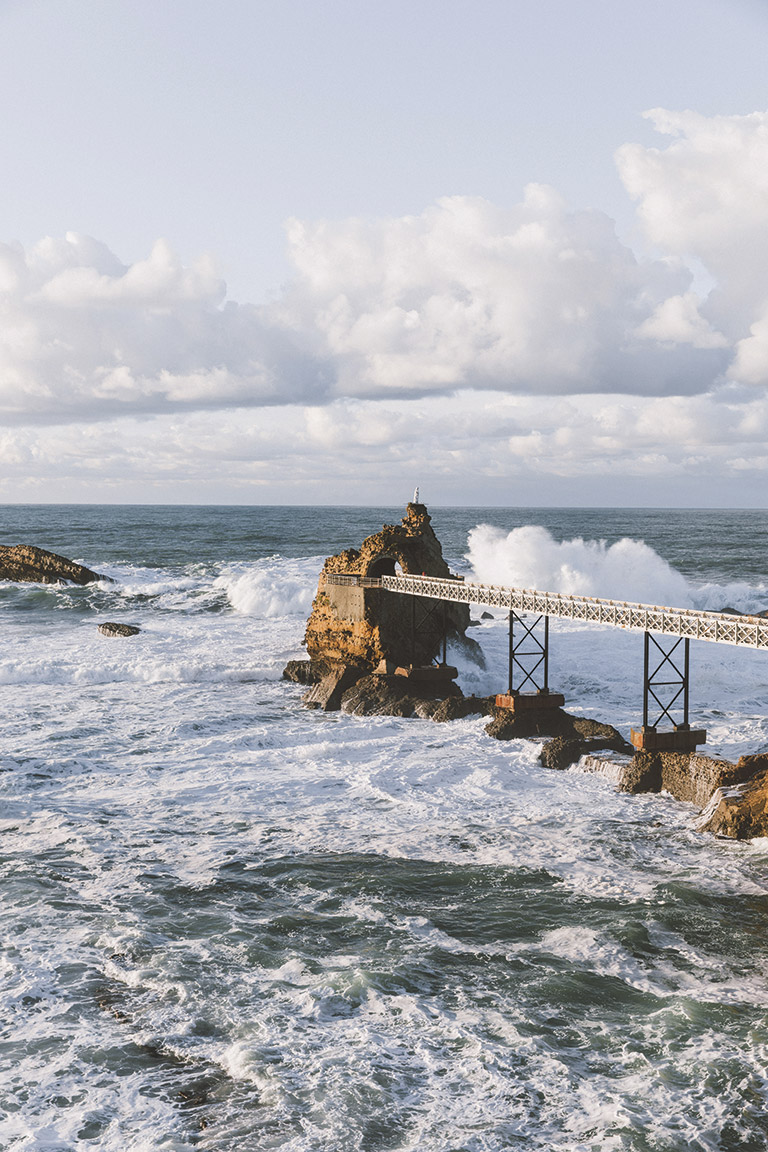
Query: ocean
column 229, row 922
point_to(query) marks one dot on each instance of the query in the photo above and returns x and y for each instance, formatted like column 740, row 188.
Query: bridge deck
column 719, row 627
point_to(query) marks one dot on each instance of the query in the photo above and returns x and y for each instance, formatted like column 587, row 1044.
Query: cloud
column 529, row 299
column 83, row 336
column 474, row 343
column 705, row 197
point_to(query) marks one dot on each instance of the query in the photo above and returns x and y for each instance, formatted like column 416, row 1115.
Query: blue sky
column 257, row 252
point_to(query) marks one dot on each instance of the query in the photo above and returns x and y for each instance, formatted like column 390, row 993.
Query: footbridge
column 668, row 632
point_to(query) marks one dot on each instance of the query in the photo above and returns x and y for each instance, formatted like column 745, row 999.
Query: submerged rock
column 26, row 564
column 110, row 628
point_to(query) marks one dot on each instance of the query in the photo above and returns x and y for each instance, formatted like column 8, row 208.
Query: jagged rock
column 564, row 751
column 110, row 628
column 328, row 692
column 642, row 773
column 509, row 725
column 357, row 629
column 382, row 695
column 739, row 808
column 459, row 707
column 688, row 776
column 486, row 616
column 25, row 563
column 362, row 626
column 305, row 671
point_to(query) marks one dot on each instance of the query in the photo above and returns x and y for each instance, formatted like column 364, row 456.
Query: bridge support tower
column 528, row 681
column 666, row 685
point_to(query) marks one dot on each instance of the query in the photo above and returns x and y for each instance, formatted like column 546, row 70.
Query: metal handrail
column 717, row 627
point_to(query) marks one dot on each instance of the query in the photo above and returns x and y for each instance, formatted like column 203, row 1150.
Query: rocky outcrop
column 510, row 725
column 352, row 629
column 27, row 564
column 392, row 695
column 739, row 809
column 734, row 797
column 110, row 628
column 361, row 626
column 305, row 671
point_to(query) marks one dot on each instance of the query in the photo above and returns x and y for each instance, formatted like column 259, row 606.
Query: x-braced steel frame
column 659, row 662
column 530, row 667
column 429, row 618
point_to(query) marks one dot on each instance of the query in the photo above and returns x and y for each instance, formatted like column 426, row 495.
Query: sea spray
column 530, row 557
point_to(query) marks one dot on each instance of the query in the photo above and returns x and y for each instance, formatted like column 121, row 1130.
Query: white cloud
column 527, row 299
column 473, row 343
column 705, row 197
column 83, row 336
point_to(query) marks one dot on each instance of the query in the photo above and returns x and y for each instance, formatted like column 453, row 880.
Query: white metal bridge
column 719, row 627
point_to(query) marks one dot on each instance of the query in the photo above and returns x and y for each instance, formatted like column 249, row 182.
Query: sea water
column 229, row 922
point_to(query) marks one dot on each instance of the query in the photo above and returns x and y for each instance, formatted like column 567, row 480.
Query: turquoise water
column 231, row 922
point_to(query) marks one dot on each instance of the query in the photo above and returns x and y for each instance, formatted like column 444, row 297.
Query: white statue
column 416, row 495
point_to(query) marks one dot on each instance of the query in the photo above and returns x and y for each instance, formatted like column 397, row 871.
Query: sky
column 322, row 252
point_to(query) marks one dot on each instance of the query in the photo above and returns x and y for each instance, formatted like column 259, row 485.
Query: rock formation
column 110, row 628
column 734, row 797
column 354, row 630
column 739, row 808
column 25, row 563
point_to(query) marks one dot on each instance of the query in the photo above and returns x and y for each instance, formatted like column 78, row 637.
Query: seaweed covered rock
column 26, row 564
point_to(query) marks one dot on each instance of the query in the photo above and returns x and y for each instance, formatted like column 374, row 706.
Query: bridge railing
column 717, row 627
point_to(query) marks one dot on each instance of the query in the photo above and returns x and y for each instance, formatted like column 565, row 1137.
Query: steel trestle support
column 666, row 687
column 530, row 667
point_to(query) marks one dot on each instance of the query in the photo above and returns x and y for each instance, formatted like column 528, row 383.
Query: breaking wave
column 530, row 557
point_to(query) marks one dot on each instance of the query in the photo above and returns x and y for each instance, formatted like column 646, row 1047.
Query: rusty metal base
column 530, row 701
column 680, row 739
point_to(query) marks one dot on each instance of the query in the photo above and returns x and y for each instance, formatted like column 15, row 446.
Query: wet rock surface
column 305, row 671
column 26, row 564
column 509, row 725
column 739, row 809
column 378, row 695
column 110, row 628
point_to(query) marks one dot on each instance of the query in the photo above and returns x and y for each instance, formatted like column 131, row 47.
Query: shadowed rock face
column 360, row 627
column 27, row 564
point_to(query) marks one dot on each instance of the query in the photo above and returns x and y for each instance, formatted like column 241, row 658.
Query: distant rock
column 26, row 564
column 110, row 628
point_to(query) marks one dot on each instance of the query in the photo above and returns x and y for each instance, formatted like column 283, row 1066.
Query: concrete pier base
column 680, row 739
column 530, row 701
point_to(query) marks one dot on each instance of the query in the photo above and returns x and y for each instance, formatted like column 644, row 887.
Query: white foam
column 266, row 591
column 530, row 557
